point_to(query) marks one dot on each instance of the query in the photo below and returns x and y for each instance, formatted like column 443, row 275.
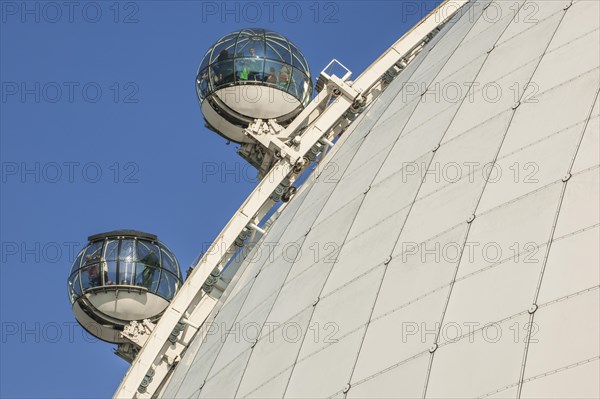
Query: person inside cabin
column 271, row 78
column 223, row 68
column 254, row 65
column 284, row 78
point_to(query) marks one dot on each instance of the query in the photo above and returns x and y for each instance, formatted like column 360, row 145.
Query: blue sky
column 101, row 130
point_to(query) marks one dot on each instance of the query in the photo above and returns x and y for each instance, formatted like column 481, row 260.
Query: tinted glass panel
column 270, row 75
column 126, row 272
column 251, row 39
column 127, row 251
column 205, row 61
column 90, row 276
column 75, row 286
column 277, row 74
column 148, row 253
column 84, row 277
column 277, row 53
column 242, row 48
column 147, row 276
column 298, row 60
column 202, row 82
column 211, row 80
column 168, row 285
column 223, row 72
column 169, row 263
column 299, row 85
column 249, row 69
column 111, row 250
column 110, row 277
column 284, row 77
column 274, row 36
column 127, row 258
column 223, row 51
column 282, row 48
column 93, row 253
column 77, row 262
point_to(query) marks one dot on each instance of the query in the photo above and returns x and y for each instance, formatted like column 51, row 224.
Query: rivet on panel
column 437, row 147
column 433, row 348
column 471, row 218
column 347, row 388
column 533, row 308
column 316, row 301
column 566, row 177
column 516, row 105
column 387, row 260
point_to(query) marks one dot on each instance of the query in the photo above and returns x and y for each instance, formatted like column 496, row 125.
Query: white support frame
column 191, row 303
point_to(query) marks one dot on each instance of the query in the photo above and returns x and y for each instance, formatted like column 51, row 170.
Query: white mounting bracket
column 276, row 139
column 138, row 332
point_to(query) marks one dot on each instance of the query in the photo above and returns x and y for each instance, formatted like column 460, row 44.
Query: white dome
column 452, row 249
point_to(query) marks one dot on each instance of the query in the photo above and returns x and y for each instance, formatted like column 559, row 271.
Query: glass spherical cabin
column 252, row 74
column 121, row 276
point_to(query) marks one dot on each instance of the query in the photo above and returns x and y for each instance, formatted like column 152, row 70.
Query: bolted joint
column 289, row 194
column 278, row 193
column 239, row 241
column 314, row 152
column 359, row 103
column 144, row 384
column 280, row 190
column 389, row 76
column 209, row 283
column 299, row 165
column 174, row 336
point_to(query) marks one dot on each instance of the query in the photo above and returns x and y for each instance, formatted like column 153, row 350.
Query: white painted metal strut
column 190, row 308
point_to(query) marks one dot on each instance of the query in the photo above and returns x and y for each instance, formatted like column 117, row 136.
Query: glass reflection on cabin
column 125, row 259
column 255, row 57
